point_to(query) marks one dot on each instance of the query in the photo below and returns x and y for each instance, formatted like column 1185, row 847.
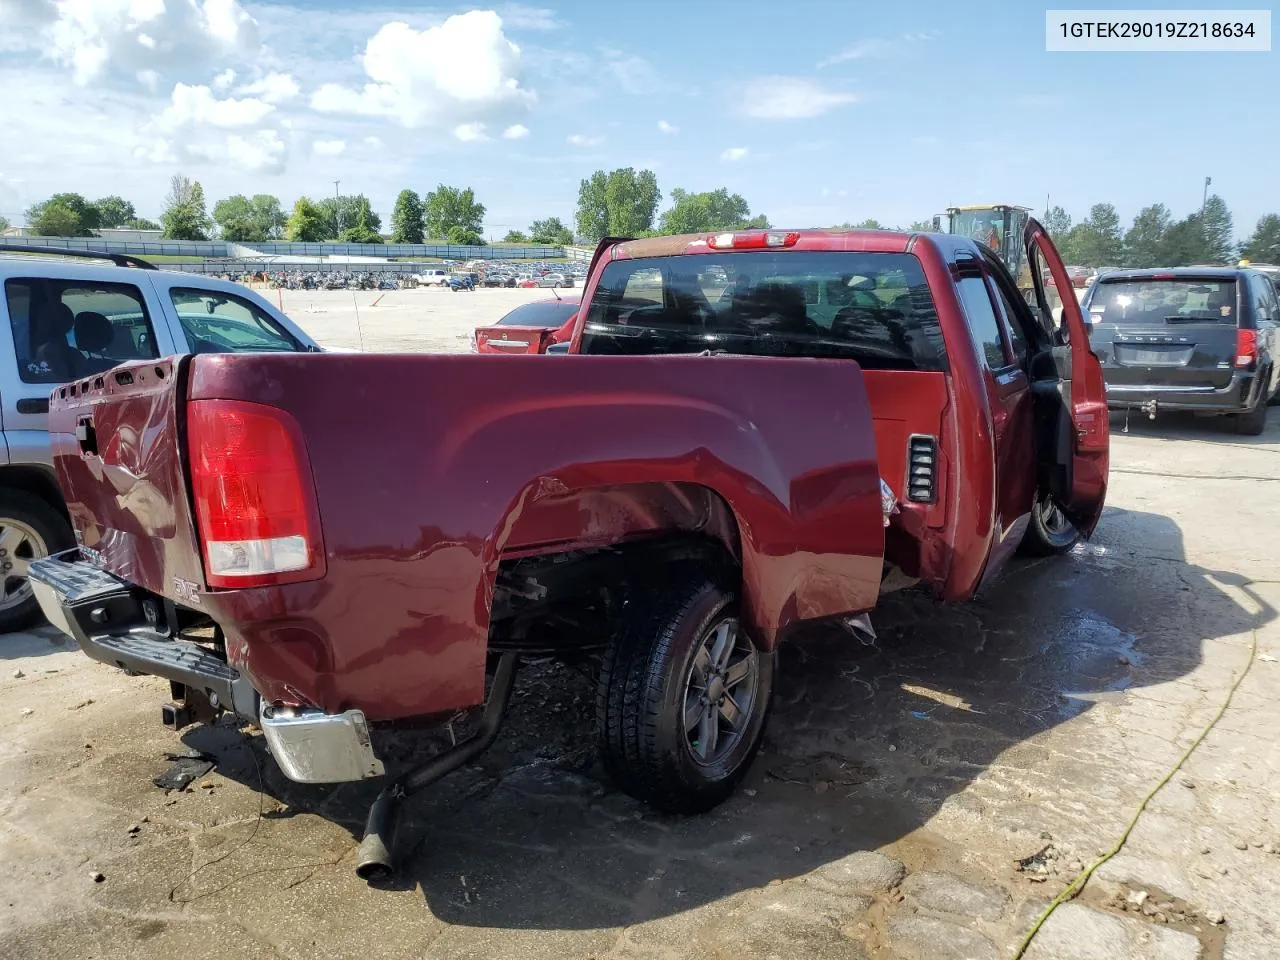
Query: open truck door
column 1083, row 463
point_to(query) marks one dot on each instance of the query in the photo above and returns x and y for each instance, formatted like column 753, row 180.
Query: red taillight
column 1246, row 348
column 254, row 497
column 754, row 240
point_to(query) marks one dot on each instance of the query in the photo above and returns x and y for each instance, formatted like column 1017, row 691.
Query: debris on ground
column 96, row 876
column 184, row 770
column 18, row 674
column 1214, row 916
column 27, row 711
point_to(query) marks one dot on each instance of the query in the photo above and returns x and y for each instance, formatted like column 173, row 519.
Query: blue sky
column 816, row 111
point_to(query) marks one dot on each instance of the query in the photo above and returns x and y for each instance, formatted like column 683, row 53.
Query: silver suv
column 67, row 317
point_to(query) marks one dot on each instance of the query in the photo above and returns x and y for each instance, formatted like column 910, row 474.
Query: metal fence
column 235, row 268
column 220, row 248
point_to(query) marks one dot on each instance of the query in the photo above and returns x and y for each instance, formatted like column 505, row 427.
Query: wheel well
column 37, row 481
column 570, row 601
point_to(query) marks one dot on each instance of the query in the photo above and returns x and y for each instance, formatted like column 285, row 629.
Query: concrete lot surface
column 919, row 798
column 425, row 320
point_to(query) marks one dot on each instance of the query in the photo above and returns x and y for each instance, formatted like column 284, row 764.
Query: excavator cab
column 997, row 225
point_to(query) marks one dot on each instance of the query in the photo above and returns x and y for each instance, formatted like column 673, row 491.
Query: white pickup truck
column 65, row 316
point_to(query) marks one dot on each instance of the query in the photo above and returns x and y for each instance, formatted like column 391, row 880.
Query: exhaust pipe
column 374, row 859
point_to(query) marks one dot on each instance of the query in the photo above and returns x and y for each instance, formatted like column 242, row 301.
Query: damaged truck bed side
column 322, row 542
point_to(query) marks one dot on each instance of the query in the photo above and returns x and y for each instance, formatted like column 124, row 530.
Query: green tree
column 1264, row 245
column 1143, row 242
column 704, row 212
column 620, row 203
column 362, row 230
column 4, row 224
column 1057, row 222
column 1183, row 243
column 1218, row 230
column 406, row 218
column 142, row 223
column 452, row 212
column 345, row 211
column 515, row 236
column 1095, row 241
column 63, row 215
column 463, row 235
column 114, row 211
column 920, row 226
column 246, row 220
column 184, row 216
column 550, row 231
column 307, row 223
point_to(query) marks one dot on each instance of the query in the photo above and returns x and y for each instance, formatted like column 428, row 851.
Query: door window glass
column 67, row 329
column 983, row 324
column 217, row 322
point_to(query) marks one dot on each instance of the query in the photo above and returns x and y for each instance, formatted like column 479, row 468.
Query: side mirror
column 558, row 348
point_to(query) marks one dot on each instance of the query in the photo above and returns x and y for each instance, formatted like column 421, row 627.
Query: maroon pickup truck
column 759, row 429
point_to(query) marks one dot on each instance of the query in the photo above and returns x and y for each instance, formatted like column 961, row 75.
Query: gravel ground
column 919, row 798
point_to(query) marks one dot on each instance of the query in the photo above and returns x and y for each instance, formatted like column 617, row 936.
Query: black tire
column 1046, row 535
column 52, row 534
column 1252, row 422
column 642, row 700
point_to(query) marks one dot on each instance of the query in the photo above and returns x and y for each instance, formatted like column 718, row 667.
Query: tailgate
column 1176, row 356
column 118, row 452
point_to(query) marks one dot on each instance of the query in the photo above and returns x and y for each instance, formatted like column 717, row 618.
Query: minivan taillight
column 254, row 497
column 1246, row 348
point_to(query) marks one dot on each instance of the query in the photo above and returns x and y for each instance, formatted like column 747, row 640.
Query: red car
column 529, row 328
column 321, row 542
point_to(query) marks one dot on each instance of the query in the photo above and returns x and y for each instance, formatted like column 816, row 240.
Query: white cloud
column 517, row 16
column 273, row 88
column 461, row 71
column 582, row 140
column 224, row 80
column 92, row 37
column 873, row 47
column 328, row 148
column 261, row 152
column 517, row 131
column 373, row 142
column 197, row 106
column 469, row 132
column 667, row 128
column 789, row 98
column 734, row 154
column 149, row 79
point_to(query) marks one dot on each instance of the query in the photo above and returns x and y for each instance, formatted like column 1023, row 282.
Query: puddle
column 1092, row 661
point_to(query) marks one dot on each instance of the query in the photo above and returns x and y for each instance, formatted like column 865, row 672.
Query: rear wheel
column 29, row 529
column 683, row 698
column 1050, row 532
column 1252, row 422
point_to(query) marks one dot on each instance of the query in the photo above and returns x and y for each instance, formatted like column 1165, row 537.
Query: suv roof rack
column 119, row 259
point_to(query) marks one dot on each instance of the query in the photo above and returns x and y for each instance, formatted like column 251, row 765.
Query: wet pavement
column 921, row 797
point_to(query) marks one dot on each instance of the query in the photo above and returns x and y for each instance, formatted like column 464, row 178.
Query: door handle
column 33, row 405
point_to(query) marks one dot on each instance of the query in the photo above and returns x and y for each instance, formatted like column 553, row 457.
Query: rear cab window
column 217, row 322
column 875, row 308
column 1138, row 301
column 67, row 329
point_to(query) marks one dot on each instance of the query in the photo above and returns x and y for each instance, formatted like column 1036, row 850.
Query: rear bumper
column 1239, row 395
column 107, row 617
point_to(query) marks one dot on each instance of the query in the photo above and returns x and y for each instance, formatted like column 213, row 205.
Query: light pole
column 1204, row 201
column 337, row 206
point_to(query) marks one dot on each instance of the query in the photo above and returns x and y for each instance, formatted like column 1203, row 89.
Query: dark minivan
column 1191, row 338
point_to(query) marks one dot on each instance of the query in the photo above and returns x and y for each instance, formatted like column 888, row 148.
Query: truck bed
column 429, row 471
